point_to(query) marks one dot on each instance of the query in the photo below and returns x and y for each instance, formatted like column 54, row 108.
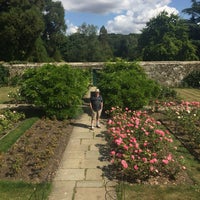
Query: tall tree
column 194, row 23
column 55, row 27
column 106, row 51
column 165, row 37
column 20, row 26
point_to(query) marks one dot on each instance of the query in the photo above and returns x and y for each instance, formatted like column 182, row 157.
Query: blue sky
column 118, row 16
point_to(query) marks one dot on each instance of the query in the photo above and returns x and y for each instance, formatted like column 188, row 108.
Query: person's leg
column 93, row 117
column 98, row 118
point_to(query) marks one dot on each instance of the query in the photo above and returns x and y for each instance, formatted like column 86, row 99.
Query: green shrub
column 4, row 75
column 167, row 92
column 126, row 85
column 56, row 89
column 192, row 80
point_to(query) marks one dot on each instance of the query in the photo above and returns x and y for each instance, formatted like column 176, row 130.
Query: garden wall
column 168, row 73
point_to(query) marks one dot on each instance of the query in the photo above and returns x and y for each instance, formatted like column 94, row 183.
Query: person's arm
column 91, row 104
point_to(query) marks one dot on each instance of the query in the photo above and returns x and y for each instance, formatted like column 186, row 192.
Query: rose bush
column 140, row 146
column 186, row 116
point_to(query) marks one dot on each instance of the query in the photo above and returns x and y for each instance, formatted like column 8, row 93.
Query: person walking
column 96, row 106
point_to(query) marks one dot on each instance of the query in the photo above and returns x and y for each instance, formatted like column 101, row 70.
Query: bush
column 140, row 146
column 126, row 85
column 57, row 89
column 192, row 80
column 4, row 75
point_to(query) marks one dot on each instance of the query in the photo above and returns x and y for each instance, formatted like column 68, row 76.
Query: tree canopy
column 36, row 31
column 29, row 26
column 165, row 37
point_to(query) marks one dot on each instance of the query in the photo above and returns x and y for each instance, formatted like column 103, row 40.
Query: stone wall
column 170, row 73
column 166, row 73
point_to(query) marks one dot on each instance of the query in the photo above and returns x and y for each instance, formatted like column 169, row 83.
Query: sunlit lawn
column 188, row 94
column 4, row 91
column 23, row 191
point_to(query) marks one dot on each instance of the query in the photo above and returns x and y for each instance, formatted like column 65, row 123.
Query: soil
column 35, row 157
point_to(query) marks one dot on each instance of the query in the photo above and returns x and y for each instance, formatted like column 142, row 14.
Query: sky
column 118, row 16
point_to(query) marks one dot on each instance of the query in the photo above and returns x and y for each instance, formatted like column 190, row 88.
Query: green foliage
column 192, row 80
column 167, row 92
column 166, row 38
column 126, row 85
column 4, row 75
column 57, row 89
column 193, row 23
column 31, row 30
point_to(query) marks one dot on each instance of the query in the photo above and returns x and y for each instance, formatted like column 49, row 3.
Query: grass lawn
column 4, row 91
column 188, row 94
column 23, row 191
column 12, row 137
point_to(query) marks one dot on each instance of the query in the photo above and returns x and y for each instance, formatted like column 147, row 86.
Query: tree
column 106, row 51
column 20, row 26
column 194, row 24
column 31, row 25
column 165, row 37
column 55, row 28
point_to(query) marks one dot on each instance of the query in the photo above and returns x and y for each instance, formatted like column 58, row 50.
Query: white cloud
column 71, row 28
column 130, row 15
column 133, row 21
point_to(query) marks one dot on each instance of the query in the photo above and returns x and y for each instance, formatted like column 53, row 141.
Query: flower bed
column 8, row 119
column 183, row 120
column 141, row 147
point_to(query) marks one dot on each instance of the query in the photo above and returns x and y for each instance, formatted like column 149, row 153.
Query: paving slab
column 70, row 174
column 63, row 190
column 90, row 194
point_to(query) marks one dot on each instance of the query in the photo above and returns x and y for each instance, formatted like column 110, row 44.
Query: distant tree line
column 35, row 30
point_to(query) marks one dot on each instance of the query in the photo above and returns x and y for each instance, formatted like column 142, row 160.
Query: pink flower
column 144, row 160
column 118, row 141
column 110, row 121
column 146, row 133
column 133, row 157
column 135, row 167
column 119, row 155
column 160, row 132
column 169, row 157
column 136, row 145
column 154, row 154
column 125, row 147
column 112, row 153
column 137, row 121
column 112, row 161
column 145, row 144
column 165, row 161
column 151, row 168
column 124, row 164
column 154, row 160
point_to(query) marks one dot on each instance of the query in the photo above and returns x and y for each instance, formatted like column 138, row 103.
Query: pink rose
column 124, row 164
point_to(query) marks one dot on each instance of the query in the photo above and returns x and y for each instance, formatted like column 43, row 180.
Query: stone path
column 81, row 174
